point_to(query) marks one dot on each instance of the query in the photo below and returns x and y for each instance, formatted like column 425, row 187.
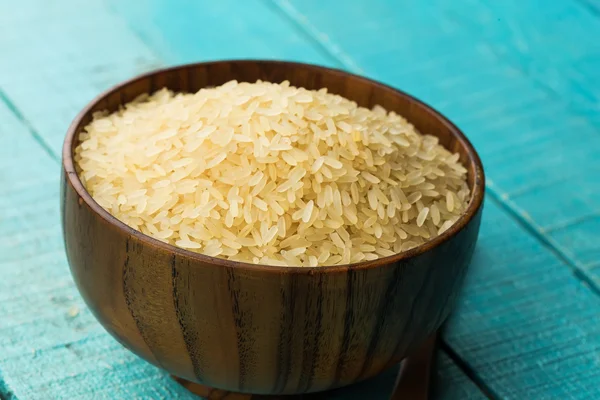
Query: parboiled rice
column 271, row 174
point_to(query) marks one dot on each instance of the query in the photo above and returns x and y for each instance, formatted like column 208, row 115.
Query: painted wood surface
column 521, row 78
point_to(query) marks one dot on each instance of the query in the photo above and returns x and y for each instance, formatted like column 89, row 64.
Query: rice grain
column 272, row 174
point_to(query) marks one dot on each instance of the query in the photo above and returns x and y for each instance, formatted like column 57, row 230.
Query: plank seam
column 575, row 107
column 301, row 22
column 592, row 265
column 570, row 222
column 469, row 372
column 12, row 107
column 141, row 36
column 32, row 131
column 524, row 220
column 5, row 392
column 589, row 7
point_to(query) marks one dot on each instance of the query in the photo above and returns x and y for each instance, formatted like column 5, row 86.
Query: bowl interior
column 365, row 92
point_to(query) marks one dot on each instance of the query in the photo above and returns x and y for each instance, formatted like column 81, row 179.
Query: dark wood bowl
column 264, row 329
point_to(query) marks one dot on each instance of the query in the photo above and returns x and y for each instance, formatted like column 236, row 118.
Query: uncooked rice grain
column 271, row 174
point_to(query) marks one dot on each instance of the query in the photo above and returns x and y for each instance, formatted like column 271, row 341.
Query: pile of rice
column 271, row 174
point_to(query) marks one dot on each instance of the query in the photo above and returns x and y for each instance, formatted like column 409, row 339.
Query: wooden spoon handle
column 414, row 377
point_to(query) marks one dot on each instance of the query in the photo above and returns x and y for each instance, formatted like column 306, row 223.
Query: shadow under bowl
column 264, row 329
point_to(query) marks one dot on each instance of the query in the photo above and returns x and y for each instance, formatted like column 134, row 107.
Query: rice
column 271, row 174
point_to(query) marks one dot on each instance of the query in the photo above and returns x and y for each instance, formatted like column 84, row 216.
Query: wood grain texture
column 412, row 382
column 256, row 329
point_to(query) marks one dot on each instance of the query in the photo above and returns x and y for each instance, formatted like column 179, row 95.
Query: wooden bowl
column 264, row 329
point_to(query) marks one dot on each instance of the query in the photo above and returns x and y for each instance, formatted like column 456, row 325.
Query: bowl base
column 412, row 381
column 209, row 393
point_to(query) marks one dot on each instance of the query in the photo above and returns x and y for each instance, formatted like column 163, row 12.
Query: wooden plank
column 556, row 45
column 451, row 382
column 581, row 238
column 188, row 31
column 526, row 325
column 63, row 53
column 51, row 346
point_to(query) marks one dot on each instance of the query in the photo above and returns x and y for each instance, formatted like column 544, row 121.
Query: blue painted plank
column 581, row 238
column 187, row 31
column 550, row 42
column 577, row 195
column 526, row 325
column 63, row 53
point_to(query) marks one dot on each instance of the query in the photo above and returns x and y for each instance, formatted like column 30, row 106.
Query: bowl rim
column 475, row 202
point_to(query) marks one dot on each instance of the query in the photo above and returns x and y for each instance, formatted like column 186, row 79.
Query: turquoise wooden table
column 521, row 77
